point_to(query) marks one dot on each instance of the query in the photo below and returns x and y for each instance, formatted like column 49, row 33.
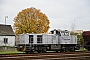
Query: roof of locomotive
column 37, row 34
column 52, row 33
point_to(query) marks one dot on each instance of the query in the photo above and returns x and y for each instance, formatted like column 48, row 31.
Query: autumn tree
column 31, row 20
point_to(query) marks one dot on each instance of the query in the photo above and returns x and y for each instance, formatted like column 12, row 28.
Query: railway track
column 48, row 56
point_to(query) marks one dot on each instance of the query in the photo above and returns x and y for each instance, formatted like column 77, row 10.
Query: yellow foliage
column 31, row 20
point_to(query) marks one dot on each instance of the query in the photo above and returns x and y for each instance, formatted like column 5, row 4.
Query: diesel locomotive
column 56, row 41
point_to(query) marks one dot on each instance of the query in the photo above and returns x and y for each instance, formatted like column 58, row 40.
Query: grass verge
column 81, row 49
column 10, row 52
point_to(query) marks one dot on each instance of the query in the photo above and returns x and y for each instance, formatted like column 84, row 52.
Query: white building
column 7, row 36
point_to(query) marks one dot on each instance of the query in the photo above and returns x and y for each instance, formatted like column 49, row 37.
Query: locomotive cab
column 56, row 32
column 65, row 33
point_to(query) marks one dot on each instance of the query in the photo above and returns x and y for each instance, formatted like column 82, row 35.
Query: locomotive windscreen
column 63, row 33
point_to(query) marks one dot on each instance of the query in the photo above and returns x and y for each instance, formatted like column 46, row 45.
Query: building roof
column 6, row 30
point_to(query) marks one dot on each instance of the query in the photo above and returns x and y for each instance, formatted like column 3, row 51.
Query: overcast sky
column 61, row 13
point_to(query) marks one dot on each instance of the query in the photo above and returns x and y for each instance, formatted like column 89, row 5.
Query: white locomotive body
column 57, row 41
column 39, row 39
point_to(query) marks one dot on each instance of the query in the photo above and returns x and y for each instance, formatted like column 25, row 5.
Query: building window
column 30, row 38
column 39, row 38
column 5, row 40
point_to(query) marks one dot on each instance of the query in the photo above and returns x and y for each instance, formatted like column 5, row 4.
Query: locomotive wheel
column 56, row 51
column 27, row 52
column 67, row 49
column 43, row 50
column 61, row 50
column 72, row 50
column 39, row 51
column 31, row 51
